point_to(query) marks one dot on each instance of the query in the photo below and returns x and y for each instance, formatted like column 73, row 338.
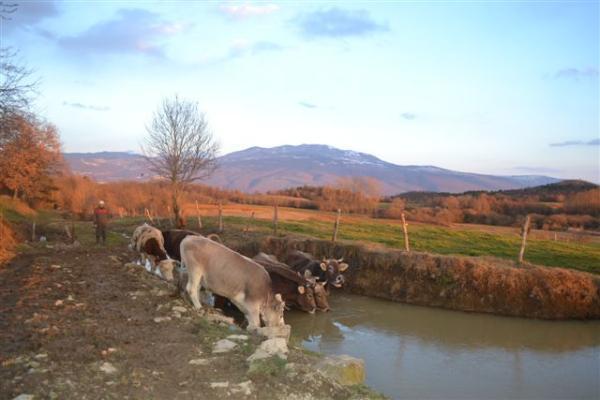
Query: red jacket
column 101, row 216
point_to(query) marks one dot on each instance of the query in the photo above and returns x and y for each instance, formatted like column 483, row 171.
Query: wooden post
column 170, row 217
column 220, row 217
column 524, row 231
column 405, row 230
column 275, row 219
column 33, row 232
column 148, row 215
column 158, row 219
column 249, row 222
column 198, row 216
column 68, row 232
column 336, row 226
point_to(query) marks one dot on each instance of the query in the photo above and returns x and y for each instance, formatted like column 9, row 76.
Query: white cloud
column 248, row 10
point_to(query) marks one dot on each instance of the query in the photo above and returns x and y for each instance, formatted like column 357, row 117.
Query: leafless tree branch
column 179, row 147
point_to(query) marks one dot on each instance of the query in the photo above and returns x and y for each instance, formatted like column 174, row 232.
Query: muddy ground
column 77, row 323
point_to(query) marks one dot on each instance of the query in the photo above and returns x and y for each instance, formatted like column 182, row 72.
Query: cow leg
column 253, row 317
column 193, row 288
column 252, row 313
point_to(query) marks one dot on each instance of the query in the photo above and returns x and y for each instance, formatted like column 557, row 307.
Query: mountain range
column 258, row 169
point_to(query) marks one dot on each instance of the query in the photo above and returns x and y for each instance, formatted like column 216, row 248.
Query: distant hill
column 109, row 166
column 260, row 169
column 566, row 187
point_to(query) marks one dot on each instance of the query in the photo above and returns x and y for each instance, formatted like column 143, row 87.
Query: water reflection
column 417, row 352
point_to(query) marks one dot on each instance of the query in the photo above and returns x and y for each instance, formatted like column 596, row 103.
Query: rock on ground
column 199, row 361
column 344, row 369
column 269, row 348
column 276, row 332
column 24, row 397
column 108, row 368
column 223, row 346
column 237, row 337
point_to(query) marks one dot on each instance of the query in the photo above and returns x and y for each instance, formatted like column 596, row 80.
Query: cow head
column 321, row 295
column 166, row 269
column 306, row 298
column 272, row 313
column 333, row 271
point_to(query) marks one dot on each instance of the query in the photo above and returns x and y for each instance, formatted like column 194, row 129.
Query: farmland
column 580, row 252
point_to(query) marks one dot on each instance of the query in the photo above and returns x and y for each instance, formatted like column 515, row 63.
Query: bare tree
column 17, row 87
column 179, row 147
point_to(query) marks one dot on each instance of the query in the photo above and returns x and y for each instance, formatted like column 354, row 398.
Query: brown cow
column 295, row 290
column 173, row 238
column 149, row 242
column 328, row 271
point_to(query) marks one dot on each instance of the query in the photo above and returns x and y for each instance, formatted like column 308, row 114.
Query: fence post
column 68, row 232
column 524, row 231
column 249, row 222
column 148, row 215
column 220, row 217
column 170, row 217
column 33, row 232
column 336, row 226
column 275, row 219
column 198, row 215
column 405, row 230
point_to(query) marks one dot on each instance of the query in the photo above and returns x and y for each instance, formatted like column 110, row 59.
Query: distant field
column 570, row 251
column 470, row 240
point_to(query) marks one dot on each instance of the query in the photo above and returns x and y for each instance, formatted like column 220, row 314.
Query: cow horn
column 340, row 260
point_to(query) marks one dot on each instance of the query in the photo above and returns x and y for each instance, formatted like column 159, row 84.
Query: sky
column 498, row 87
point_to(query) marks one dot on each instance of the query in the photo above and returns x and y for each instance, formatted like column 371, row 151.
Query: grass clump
column 362, row 391
column 272, row 366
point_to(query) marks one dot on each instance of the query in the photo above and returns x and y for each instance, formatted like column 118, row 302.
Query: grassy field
column 435, row 239
column 458, row 240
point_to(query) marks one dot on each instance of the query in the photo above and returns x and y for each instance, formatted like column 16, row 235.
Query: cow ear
column 343, row 267
column 324, row 266
column 301, row 289
column 307, row 274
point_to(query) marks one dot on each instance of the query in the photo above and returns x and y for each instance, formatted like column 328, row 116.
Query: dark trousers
column 100, row 233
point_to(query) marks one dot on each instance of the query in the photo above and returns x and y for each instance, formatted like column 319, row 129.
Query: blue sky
column 492, row 87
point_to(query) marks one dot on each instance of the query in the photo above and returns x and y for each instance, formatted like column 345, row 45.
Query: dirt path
column 79, row 324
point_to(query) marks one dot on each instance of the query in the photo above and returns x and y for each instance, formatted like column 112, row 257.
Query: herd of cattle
column 261, row 287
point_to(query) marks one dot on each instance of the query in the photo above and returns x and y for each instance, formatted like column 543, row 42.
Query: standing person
column 101, row 221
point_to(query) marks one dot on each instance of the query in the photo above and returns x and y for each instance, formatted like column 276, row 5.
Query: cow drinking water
column 149, row 243
column 296, row 291
column 229, row 274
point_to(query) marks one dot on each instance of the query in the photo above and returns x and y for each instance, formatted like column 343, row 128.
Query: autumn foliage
column 29, row 157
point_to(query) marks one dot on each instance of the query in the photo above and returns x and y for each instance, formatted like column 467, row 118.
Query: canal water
column 415, row 352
